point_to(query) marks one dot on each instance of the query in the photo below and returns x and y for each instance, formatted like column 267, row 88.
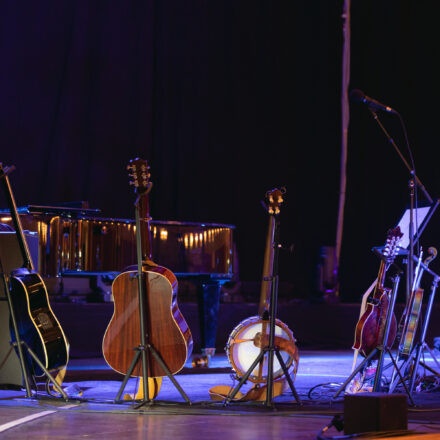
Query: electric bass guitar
column 37, row 325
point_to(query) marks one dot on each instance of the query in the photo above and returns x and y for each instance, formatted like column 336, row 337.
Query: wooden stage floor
column 95, row 415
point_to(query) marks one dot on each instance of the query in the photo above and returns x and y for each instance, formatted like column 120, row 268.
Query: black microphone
column 360, row 96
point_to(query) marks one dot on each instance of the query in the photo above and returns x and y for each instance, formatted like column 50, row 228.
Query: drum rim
column 245, row 324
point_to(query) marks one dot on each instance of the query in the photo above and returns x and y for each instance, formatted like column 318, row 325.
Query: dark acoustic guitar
column 370, row 328
column 165, row 327
column 37, row 325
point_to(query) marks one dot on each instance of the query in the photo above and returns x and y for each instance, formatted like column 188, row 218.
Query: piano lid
column 77, row 240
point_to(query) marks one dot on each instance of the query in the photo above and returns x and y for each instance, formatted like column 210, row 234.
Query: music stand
column 422, row 215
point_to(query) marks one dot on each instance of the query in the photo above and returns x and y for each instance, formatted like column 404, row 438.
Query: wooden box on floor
column 372, row 412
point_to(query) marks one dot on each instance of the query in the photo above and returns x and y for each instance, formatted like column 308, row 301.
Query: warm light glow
column 191, row 240
column 6, row 219
column 163, row 234
column 185, row 240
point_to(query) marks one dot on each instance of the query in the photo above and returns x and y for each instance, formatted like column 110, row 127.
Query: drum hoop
column 246, row 323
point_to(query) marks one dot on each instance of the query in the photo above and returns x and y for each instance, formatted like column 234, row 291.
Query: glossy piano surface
column 78, row 240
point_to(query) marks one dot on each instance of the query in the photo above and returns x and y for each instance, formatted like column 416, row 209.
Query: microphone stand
column 414, row 180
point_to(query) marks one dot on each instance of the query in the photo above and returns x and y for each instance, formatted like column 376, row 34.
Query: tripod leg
column 48, row 375
column 128, row 374
column 423, row 332
column 355, row 371
column 401, row 377
column 433, row 356
column 269, row 391
column 24, row 369
column 288, row 378
column 167, row 371
column 233, row 393
column 383, row 348
column 397, row 372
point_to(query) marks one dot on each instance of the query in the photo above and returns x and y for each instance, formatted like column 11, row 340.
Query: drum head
column 242, row 351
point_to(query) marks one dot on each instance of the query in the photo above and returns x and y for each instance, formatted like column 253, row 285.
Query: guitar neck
column 266, row 283
column 380, row 277
column 27, row 261
column 143, row 232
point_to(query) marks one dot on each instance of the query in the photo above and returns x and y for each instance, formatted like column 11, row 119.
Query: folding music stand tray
column 422, row 215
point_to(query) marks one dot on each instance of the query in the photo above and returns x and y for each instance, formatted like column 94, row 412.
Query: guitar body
column 167, row 330
column 370, row 328
column 37, row 325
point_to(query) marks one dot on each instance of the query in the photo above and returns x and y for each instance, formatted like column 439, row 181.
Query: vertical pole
column 345, row 110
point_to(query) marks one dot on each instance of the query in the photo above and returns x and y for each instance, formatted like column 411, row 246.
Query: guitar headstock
column 274, row 198
column 139, row 175
column 392, row 243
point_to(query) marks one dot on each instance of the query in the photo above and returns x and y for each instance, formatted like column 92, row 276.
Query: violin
column 369, row 332
column 410, row 316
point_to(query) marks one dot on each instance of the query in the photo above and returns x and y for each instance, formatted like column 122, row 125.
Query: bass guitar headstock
column 274, row 199
column 139, row 175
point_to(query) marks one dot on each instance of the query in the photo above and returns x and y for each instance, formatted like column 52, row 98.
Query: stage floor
column 95, row 415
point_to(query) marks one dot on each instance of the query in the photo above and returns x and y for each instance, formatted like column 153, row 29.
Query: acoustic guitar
column 165, row 327
column 37, row 325
column 370, row 328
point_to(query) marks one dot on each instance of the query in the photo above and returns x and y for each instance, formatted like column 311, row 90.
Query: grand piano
column 79, row 242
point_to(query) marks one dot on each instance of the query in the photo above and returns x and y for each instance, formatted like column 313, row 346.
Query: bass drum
column 245, row 344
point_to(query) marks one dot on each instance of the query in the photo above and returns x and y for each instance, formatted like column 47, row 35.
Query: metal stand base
column 141, row 351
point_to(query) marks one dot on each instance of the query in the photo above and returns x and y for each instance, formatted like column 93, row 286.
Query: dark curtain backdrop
column 226, row 100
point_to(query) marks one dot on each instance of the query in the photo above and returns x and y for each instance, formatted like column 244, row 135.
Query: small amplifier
column 372, row 412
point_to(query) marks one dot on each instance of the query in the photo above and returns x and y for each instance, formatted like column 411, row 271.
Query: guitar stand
column 20, row 345
column 381, row 349
column 421, row 344
column 145, row 348
column 141, row 351
column 271, row 349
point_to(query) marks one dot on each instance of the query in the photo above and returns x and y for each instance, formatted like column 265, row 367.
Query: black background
column 226, row 100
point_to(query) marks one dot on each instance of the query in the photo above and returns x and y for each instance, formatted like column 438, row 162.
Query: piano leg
column 208, row 294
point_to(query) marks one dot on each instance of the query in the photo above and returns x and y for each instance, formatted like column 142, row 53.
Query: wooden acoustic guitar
column 37, row 325
column 165, row 327
column 370, row 328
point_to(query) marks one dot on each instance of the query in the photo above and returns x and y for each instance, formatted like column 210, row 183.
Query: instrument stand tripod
column 380, row 349
column 271, row 349
column 144, row 350
column 420, row 346
column 21, row 346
